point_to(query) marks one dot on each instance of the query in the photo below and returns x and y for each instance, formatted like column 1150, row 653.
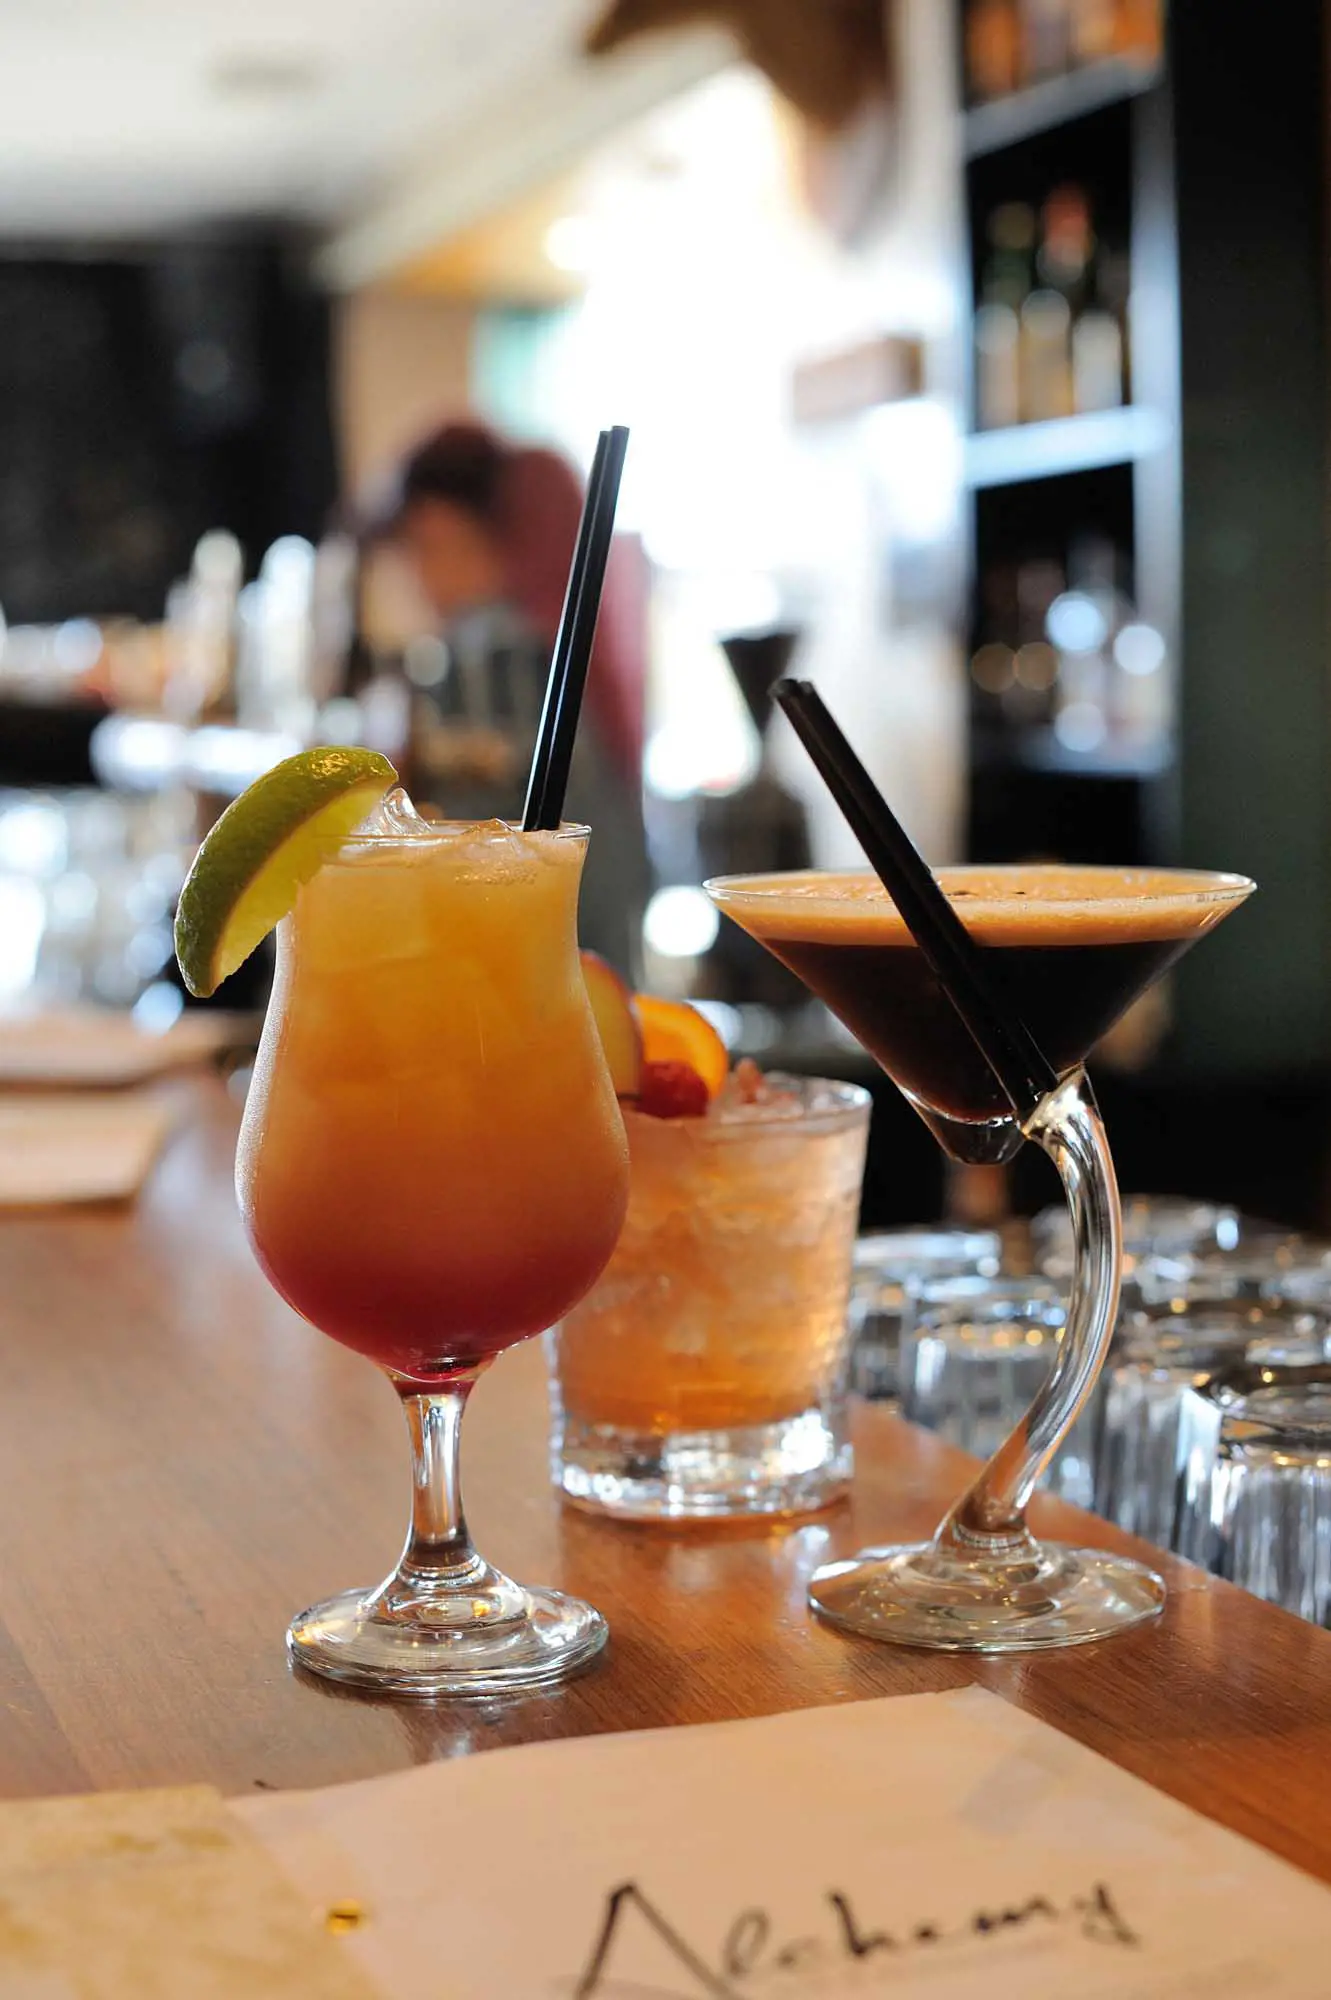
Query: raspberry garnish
column 672, row 1090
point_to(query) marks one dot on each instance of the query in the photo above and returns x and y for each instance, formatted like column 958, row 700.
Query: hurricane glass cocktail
column 1072, row 948
column 432, row 1167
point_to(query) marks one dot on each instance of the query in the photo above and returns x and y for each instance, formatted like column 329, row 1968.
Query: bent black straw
column 1000, row 1034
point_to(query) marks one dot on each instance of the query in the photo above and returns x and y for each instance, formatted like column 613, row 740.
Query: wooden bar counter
column 184, row 1464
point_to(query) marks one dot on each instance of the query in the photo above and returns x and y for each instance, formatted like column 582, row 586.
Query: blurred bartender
column 486, row 528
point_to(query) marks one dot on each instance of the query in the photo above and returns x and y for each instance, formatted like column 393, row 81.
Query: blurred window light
column 72, row 900
column 225, row 760
column 148, row 951
column 916, row 448
column 22, row 920
column 680, row 922
column 572, row 242
column 1081, row 727
column 727, row 1020
column 1140, row 650
column 158, row 1007
column 735, row 602
column 671, row 764
column 135, row 753
column 1075, row 623
column 32, row 838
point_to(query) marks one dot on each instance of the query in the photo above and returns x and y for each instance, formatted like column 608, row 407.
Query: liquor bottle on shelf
column 1046, row 357
column 1005, row 284
column 1062, row 263
column 1015, row 670
column 993, row 49
column 1049, row 323
column 1067, row 243
column 1097, row 360
column 1066, row 659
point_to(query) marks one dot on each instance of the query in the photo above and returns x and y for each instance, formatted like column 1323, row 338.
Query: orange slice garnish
column 672, row 1031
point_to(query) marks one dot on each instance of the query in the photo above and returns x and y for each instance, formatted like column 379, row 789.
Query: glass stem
column 441, row 1584
column 438, row 1543
column 992, row 1513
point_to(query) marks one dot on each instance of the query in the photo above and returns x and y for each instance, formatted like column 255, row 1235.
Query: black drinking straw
column 573, row 642
column 1002, row 1037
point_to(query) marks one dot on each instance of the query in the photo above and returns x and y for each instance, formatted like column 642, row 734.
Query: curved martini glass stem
column 990, row 1516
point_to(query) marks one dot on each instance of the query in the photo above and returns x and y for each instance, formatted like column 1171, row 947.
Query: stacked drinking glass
column 1209, row 1432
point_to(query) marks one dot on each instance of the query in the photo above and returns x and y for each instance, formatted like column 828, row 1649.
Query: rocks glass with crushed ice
column 705, row 1373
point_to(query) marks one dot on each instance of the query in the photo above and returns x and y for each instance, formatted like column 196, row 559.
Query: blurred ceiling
column 386, row 123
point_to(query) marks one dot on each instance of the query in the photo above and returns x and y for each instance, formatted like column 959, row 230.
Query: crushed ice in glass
column 747, row 1093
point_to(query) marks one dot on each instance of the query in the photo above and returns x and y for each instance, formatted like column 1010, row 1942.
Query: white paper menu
column 944, row 1845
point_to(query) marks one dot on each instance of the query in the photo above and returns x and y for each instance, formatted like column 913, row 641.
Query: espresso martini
column 1073, row 947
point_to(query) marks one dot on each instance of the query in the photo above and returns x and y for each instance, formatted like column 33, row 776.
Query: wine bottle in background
column 1097, row 360
column 993, row 49
column 1005, row 284
column 1062, row 268
column 1031, row 700
column 1067, row 244
column 1045, row 357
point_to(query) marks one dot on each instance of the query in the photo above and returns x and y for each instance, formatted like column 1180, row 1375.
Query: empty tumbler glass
column 1255, row 1482
column 888, row 1267
column 1157, row 1357
column 974, row 1352
column 1261, row 1262
column 1153, row 1225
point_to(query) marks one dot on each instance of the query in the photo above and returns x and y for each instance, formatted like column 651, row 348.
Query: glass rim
column 1186, row 885
column 1229, row 1387
column 885, row 1244
column 442, row 829
column 852, row 1105
column 969, row 1295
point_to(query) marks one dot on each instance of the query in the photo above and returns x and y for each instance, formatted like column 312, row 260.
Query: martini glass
column 1072, row 948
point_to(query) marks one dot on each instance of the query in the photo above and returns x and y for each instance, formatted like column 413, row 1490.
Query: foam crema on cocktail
column 1065, row 950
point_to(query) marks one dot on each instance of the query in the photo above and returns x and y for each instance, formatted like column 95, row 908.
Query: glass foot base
column 791, row 1467
column 928, row 1595
column 349, row 1639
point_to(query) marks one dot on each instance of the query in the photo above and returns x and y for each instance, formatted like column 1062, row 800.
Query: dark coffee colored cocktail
column 1073, row 948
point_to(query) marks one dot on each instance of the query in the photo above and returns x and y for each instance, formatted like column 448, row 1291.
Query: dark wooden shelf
column 1042, row 107
column 1062, row 445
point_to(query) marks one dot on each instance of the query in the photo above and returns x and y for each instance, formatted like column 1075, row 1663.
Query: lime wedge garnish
column 249, row 870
